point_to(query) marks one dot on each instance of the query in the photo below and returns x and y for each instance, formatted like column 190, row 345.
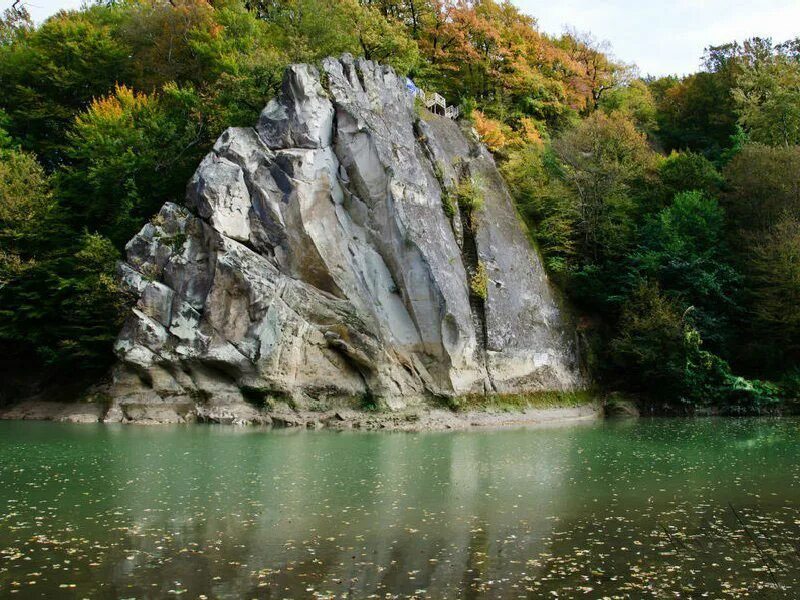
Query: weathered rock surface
column 65, row 412
column 313, row 266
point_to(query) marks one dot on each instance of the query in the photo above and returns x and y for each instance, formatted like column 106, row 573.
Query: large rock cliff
column 314, row 263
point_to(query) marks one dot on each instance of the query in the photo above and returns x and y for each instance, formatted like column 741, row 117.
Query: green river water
column 706, row 508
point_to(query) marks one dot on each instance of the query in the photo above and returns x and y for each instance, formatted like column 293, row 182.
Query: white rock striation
column 314, row 265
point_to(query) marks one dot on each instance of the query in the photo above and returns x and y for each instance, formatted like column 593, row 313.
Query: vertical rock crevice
column 474, row 269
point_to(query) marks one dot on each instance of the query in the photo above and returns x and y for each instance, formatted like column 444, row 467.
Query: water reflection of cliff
column 284, row 514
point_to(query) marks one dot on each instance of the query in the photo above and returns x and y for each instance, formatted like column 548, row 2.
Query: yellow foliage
column 114, row 106
column 498, row 136
column 529, row 132
column 490, row 131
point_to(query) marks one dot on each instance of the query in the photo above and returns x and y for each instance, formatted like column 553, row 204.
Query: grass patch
column 520, row 402
column 448, row 205
column 469, row 197
column 176, row 241
column 479, row 282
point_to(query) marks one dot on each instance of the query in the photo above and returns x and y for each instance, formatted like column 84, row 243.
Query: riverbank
column 417, row 419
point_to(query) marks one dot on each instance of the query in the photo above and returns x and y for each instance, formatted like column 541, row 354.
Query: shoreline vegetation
column 665, row 208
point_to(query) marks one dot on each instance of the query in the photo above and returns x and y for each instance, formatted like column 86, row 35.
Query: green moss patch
column 520, row 402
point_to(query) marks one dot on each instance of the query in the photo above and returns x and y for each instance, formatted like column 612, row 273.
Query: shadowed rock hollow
column 314, row 263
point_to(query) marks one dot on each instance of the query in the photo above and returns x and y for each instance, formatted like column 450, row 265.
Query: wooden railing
column 435, row 103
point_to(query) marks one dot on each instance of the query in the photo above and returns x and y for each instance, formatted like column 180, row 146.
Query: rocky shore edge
column 418, row 419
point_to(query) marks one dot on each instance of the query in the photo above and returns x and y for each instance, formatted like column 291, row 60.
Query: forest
column 667, row 210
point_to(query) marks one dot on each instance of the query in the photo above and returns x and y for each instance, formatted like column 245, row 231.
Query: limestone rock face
column 314, row 264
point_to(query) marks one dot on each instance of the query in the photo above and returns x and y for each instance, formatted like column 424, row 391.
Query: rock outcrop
column 314, row 264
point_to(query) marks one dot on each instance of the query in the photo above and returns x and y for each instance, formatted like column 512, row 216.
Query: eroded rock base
column 420, row 419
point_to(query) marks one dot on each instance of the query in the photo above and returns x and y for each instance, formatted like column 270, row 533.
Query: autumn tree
column 13, row 22
column 596, row 73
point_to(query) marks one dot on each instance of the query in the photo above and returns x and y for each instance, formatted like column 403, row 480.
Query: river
column 629, row 509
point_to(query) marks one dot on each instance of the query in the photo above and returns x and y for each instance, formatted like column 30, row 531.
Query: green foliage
column 774, row 267
column 467, row 107
column 67, row 307
column 448, row 205
column 790, row 385
column 754, row 84
column 309, row 30
column 5, row 138
column 58, row 292
column 636, row 102
column 650, row 342
column 767, row 95
column 763, row 183
column 763, row 202
column 688, row 171
column 379, row 38
column 737, row 143
column 692, row 226
column 697, row 112
column 129, row 153
column 709, row 382
column 26, row 206
column 683, row 248
column 604, row 162
column 642, row 243
column 92, row 306
column 668, row 360
column 51, row 72
column 545, row 202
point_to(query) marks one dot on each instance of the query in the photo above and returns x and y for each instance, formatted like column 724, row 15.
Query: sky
column 668, row 36
column 660, row 36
